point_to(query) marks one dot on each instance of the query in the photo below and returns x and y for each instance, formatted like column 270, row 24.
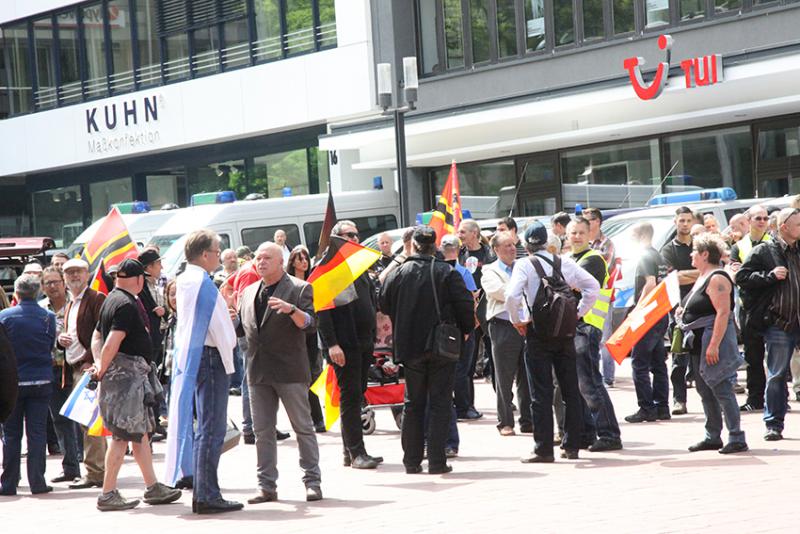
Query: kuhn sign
column 699, row 71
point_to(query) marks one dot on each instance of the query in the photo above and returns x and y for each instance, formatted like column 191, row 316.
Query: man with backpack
column 544, row 282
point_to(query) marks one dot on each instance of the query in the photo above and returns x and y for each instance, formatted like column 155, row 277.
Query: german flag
column 344, row 261
column 109, row 245
column 447, row 215
column 326, row 387
column 327, row 225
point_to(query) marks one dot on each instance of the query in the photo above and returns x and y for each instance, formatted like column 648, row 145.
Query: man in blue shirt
column 32, row 332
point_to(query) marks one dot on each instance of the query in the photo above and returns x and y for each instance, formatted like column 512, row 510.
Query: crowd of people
column 530, row 310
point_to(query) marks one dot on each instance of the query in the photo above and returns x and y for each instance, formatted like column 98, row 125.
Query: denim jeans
column 211, row 405
column 780, row 346
column 462, row 388
column 717, row 402
column 247, row 418
column 608, row 364
column 33, row 403
column 238, row 368
column 650, row 356
column 590, row 382
column 66, row 429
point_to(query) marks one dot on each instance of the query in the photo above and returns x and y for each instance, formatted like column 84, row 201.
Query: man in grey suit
column 275, row 314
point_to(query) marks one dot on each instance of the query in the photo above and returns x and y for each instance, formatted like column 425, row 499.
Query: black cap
column 536, row 233
column 148, row 256
column 130, row 269
column 424, row 235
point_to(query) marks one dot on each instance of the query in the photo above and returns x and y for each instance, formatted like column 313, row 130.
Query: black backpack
column 555, row 308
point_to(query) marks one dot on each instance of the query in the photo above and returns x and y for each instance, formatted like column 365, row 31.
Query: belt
column 499, row 320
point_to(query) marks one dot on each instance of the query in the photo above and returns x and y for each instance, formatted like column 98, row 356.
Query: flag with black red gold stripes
column 110, row 245
column 447, row 215
column 344, row 261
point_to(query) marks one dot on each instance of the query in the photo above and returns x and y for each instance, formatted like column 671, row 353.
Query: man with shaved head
column 275, row 315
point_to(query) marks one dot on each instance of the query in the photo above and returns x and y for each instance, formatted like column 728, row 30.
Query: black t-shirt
column 650, row 264
column 120, row 312
column 679, row 258
column 594, row 265
column 262, row 300
column 474, row 260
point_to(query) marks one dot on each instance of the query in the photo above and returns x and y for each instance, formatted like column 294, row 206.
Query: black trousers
column 542, row 358
column 429, row 384
column 352, row 378
column 754, row 349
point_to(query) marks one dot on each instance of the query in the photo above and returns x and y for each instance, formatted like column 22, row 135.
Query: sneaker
column 749, row 407
column 113, row 501
column 679, row 408
column 450, row 452
column 732, row 448
column 160, row 493
column 773, row 434
column 705, row 445
column 609, row 383
column 738, row 388
column 569, row 454
column 641, row 416
column 471, row 415
column 558, row 438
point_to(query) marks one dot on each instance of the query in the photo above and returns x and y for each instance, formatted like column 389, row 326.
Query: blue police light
column 377, row 182
column 578, row 209
column 137, row 206
column 217, row 197
column 682, row 197
column 287, row 191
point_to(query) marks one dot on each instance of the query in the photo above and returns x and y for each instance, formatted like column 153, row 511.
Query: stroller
column 384, row 385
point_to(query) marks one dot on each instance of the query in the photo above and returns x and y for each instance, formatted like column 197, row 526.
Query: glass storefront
column 481, row 184
column 58, row 213
column 104, row 194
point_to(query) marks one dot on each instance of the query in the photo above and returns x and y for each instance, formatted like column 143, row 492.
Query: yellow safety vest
column 746, row 245
column 596, row 316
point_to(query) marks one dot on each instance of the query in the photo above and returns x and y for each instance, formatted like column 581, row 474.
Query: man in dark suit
column 275, row 315
column 80, row 319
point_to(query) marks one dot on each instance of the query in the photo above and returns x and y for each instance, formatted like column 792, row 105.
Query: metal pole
column 400, row 151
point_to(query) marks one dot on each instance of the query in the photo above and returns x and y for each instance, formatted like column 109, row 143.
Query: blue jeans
column 462, row 388
column 717, row 402
column 211, row 405
column 780, row 346
column 650, row 356
column 67, row 430
column 33, row 402
column 238, row 368
column 247, row 418
column 590, row 381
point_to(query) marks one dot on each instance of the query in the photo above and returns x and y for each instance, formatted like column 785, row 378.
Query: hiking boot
column 113, row 501
column 160, row 493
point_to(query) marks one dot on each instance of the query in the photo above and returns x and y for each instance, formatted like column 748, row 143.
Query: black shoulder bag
column 446, row 343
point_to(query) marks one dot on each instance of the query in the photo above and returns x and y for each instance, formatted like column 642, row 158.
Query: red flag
column 110, row 245
column 327, row 225
column 446, row 218
column 344, row 261
column 647, row 313
column 326, row 387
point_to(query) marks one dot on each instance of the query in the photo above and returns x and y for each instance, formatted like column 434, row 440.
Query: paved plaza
column 653, row 485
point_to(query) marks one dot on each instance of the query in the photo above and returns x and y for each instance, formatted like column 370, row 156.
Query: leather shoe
column 705, row 445
column 364, row 461
column 319, row 428
column 413, row 470
column 605, row 444
column 569, row 454
column 264, row 496
column 280, row 436
column 378, row 459
column 83, row 483
column 537, row 459
column 64, row 478
column 46, row 489
column 313, row 493
column 249, row 439
column 446, row 468
column 526, row 429
column 186, row 482
column 215, row 507
column 732, row 448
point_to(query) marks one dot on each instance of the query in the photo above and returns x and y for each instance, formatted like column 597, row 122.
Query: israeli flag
column 81, row 405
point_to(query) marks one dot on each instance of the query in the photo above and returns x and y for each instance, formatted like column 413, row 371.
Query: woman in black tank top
column 707, row 313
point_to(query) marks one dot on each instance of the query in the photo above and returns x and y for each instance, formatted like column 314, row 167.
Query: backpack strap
column 555, row 263
column 538, row 266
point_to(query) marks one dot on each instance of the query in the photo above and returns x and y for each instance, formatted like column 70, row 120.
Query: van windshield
column 172, row 256
column 621, row 233
column 164, row 242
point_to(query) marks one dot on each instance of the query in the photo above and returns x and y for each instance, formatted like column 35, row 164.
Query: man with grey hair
column 280, row 239
column 32, row 332
column 230, row 264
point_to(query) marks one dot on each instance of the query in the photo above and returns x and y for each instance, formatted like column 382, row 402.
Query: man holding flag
column 203, row 359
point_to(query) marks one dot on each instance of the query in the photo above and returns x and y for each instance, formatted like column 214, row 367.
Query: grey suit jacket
column 276, row 349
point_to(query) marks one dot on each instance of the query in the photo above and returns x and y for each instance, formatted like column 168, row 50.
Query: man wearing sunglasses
column 752, row 337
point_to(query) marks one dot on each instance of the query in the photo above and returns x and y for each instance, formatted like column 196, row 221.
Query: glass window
column 623, row 16
column 593, row 176
column 69, row 89
column 237, row 44
column 44, row 46
column 657, row 12
column 176, row 64
column 506, row 28
column 563, row 22
column 95, row 42
column 18, row 68
column 593, row 19
column 723, row 6
column 284, row 173
column 326, row 33
column 222, row 176
column 479, row 18
column 453, row 33
column 299, row 26
column 149, row 69
column 58, row 213
column 712, row 159
column 268, row 43
column 692, row 9
column 109, row 192
column 320, row 175
column 481, row 185
column 253, row 237
column 427, row 24
column 534, row 25
column 162, row 189
column 119, row 22
column 206, row 51
column 779, row 143
column 367, row 226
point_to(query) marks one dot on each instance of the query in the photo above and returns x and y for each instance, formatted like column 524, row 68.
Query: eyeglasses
column 764, row 219
column 50, row 283
column 351, row 235
column 214, row 251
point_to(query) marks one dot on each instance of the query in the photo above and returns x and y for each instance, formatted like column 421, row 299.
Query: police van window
column 224, row 241
column 367, row 226
column 731, row 212
column 252, row 237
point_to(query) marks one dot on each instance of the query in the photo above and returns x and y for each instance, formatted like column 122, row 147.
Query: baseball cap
column 75, row 263
column 148, row 256
column 536, row 233
column 451, row 241
column 424, row 235
column 130, row 269
column 32, row 267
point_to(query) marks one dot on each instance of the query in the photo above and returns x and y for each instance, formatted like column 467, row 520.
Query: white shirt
column 524, row 284
column 494, row 281
column 286, row 253
column 76, row 350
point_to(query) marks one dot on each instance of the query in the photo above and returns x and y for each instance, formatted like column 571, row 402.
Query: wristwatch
column 294, row 309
